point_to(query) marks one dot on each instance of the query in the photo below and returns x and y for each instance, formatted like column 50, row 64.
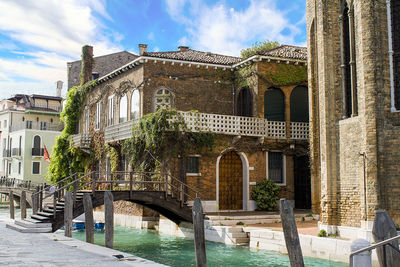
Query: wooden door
column 230, row 182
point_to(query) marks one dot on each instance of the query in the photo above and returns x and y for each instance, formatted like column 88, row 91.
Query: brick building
column 262, row 127
column 353, row 64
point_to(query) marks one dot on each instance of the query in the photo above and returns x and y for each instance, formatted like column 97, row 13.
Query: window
column 245, row 103
column 135, row 105
column 163, row 99
column 10, row 145
column 9, row 168
column 28, row 124
column 192, row 165
column 98, row 116
column 275, row 167
column 123, row 108
column 43, row 125
column 86, row 119
column 299, row 104
column 95, row 75
column 36, row 148
column 348, row 61
column 110, row 110
column 20, row 146
column 393, row 9
column 36, row 167
column 5, row 123
column 274, row 104
column 19, row 167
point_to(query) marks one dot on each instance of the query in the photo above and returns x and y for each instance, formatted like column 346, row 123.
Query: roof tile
column 287, row 51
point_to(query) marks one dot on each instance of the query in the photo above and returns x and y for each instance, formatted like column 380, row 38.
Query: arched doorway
column 245, row 103
column 299, row 104
column 230, row 183
column 274, row 104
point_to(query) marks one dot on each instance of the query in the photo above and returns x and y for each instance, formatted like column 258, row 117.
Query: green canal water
column 179, row 252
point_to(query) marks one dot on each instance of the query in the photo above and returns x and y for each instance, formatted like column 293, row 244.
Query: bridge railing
column 18, row 183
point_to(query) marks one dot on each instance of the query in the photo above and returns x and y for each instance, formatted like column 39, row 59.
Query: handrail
column 17, row 183
column 379, row 244
column 55, row 184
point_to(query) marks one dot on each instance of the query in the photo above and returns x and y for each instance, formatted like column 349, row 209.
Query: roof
column 287, row 51
column 195, row 56
column 47, row 97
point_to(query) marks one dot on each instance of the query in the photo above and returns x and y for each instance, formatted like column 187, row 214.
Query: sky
column 39, row 37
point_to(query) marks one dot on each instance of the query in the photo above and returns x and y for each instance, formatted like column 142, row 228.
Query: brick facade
column 338, row 145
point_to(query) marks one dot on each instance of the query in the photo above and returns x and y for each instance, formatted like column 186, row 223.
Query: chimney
column 59, row 88
column 142, row 49
column 183, row 48
column 87, row 64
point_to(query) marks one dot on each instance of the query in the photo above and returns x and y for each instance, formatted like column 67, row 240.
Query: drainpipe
column 390, row 41
column 364, row 155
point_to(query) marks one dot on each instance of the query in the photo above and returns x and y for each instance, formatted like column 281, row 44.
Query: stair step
column 32, row 220
column 28, row 224
column 40, row 218
column 45, row 213
column 241, row 240
column 238, row 235
column 28, row 230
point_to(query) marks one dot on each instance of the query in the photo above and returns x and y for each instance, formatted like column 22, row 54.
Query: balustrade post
column 93, row 184
column 55, row 203
column 75, row 190
column 130, row 185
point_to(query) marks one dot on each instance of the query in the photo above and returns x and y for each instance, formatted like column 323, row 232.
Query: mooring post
column 12, row 211
column 384, row 228
column 362, row 259
column 109, row 219
column 23, row 205
column 291, row 235
column 199, row 239
column 68, row 211
column 89, row 222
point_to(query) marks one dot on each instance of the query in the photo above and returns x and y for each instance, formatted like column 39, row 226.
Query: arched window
column 245, row 103
column 394, row 51
column 274, row 104
column 123, row 108
column 135, row 105
column 163, row 99
column 36, row 148
column 348, row 60
column 299, row 104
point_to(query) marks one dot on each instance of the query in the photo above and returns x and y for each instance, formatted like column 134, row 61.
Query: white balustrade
column 81, row 140
column 221, row 124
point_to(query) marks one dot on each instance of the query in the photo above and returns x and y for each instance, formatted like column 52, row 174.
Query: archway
column 299, row 104
column 230, row 182
column 245, row 103
column 274, row 104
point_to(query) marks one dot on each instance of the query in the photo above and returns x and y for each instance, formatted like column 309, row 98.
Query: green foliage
column 157, row 138
column 285, row 74
column 258, row 47
column 114, row 155
column 322, row 233
column 266, row 195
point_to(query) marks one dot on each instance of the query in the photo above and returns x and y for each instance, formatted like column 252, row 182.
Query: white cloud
column 218, row 28
column 53, row 32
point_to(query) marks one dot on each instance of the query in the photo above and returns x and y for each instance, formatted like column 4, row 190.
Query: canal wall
column 136, row 222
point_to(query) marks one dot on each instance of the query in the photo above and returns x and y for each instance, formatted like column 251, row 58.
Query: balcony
column 29, row 125
column 223, row 124
column 16, row 152
column 81, row 140
column 54, row 108
column 37, row 152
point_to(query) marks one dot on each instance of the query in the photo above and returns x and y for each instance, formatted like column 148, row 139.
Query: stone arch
column 274, row 104
column 299, row 104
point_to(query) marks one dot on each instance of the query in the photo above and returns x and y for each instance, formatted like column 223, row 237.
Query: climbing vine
column 157, row 138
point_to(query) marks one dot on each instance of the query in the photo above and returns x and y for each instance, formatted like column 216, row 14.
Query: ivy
column 258, row 47
column 160, row 136
column 285, row 74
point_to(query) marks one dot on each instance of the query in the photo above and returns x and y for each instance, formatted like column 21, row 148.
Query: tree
column 258, row 47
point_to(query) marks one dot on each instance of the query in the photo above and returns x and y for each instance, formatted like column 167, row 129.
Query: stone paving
column 26, row 249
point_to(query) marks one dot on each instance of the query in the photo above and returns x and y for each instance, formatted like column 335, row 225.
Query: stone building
column 353, row 64
column 262, row 124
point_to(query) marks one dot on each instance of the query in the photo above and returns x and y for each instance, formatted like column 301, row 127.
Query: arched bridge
column 17, row 186
column 164, row 194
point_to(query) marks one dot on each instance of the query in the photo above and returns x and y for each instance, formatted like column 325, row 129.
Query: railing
column 222, row 124
column 36, row 126
column 382, row 244
column 18, row 183
column 38, row 152
column 6, row 153
column 16, row 151
column 82, row 140
column 121, row 181
column 52, row 107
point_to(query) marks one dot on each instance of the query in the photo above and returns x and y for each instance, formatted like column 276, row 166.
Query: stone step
column 32, row 220
column 238, row 235
column 28, row 230
column 40, row 218
column 241, row 240
column 28, row 224
column 249, row 221
column 45, row 213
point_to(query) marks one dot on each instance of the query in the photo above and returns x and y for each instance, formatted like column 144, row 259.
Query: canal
column 179, row 252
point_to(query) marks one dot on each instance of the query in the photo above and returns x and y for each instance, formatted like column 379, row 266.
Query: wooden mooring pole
column 12, row 208
column 89, row 222
column 199, row 239
column 68, row 207
column 384, row 228
column 109, row 219
column 23, row 205
column 291, row 235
